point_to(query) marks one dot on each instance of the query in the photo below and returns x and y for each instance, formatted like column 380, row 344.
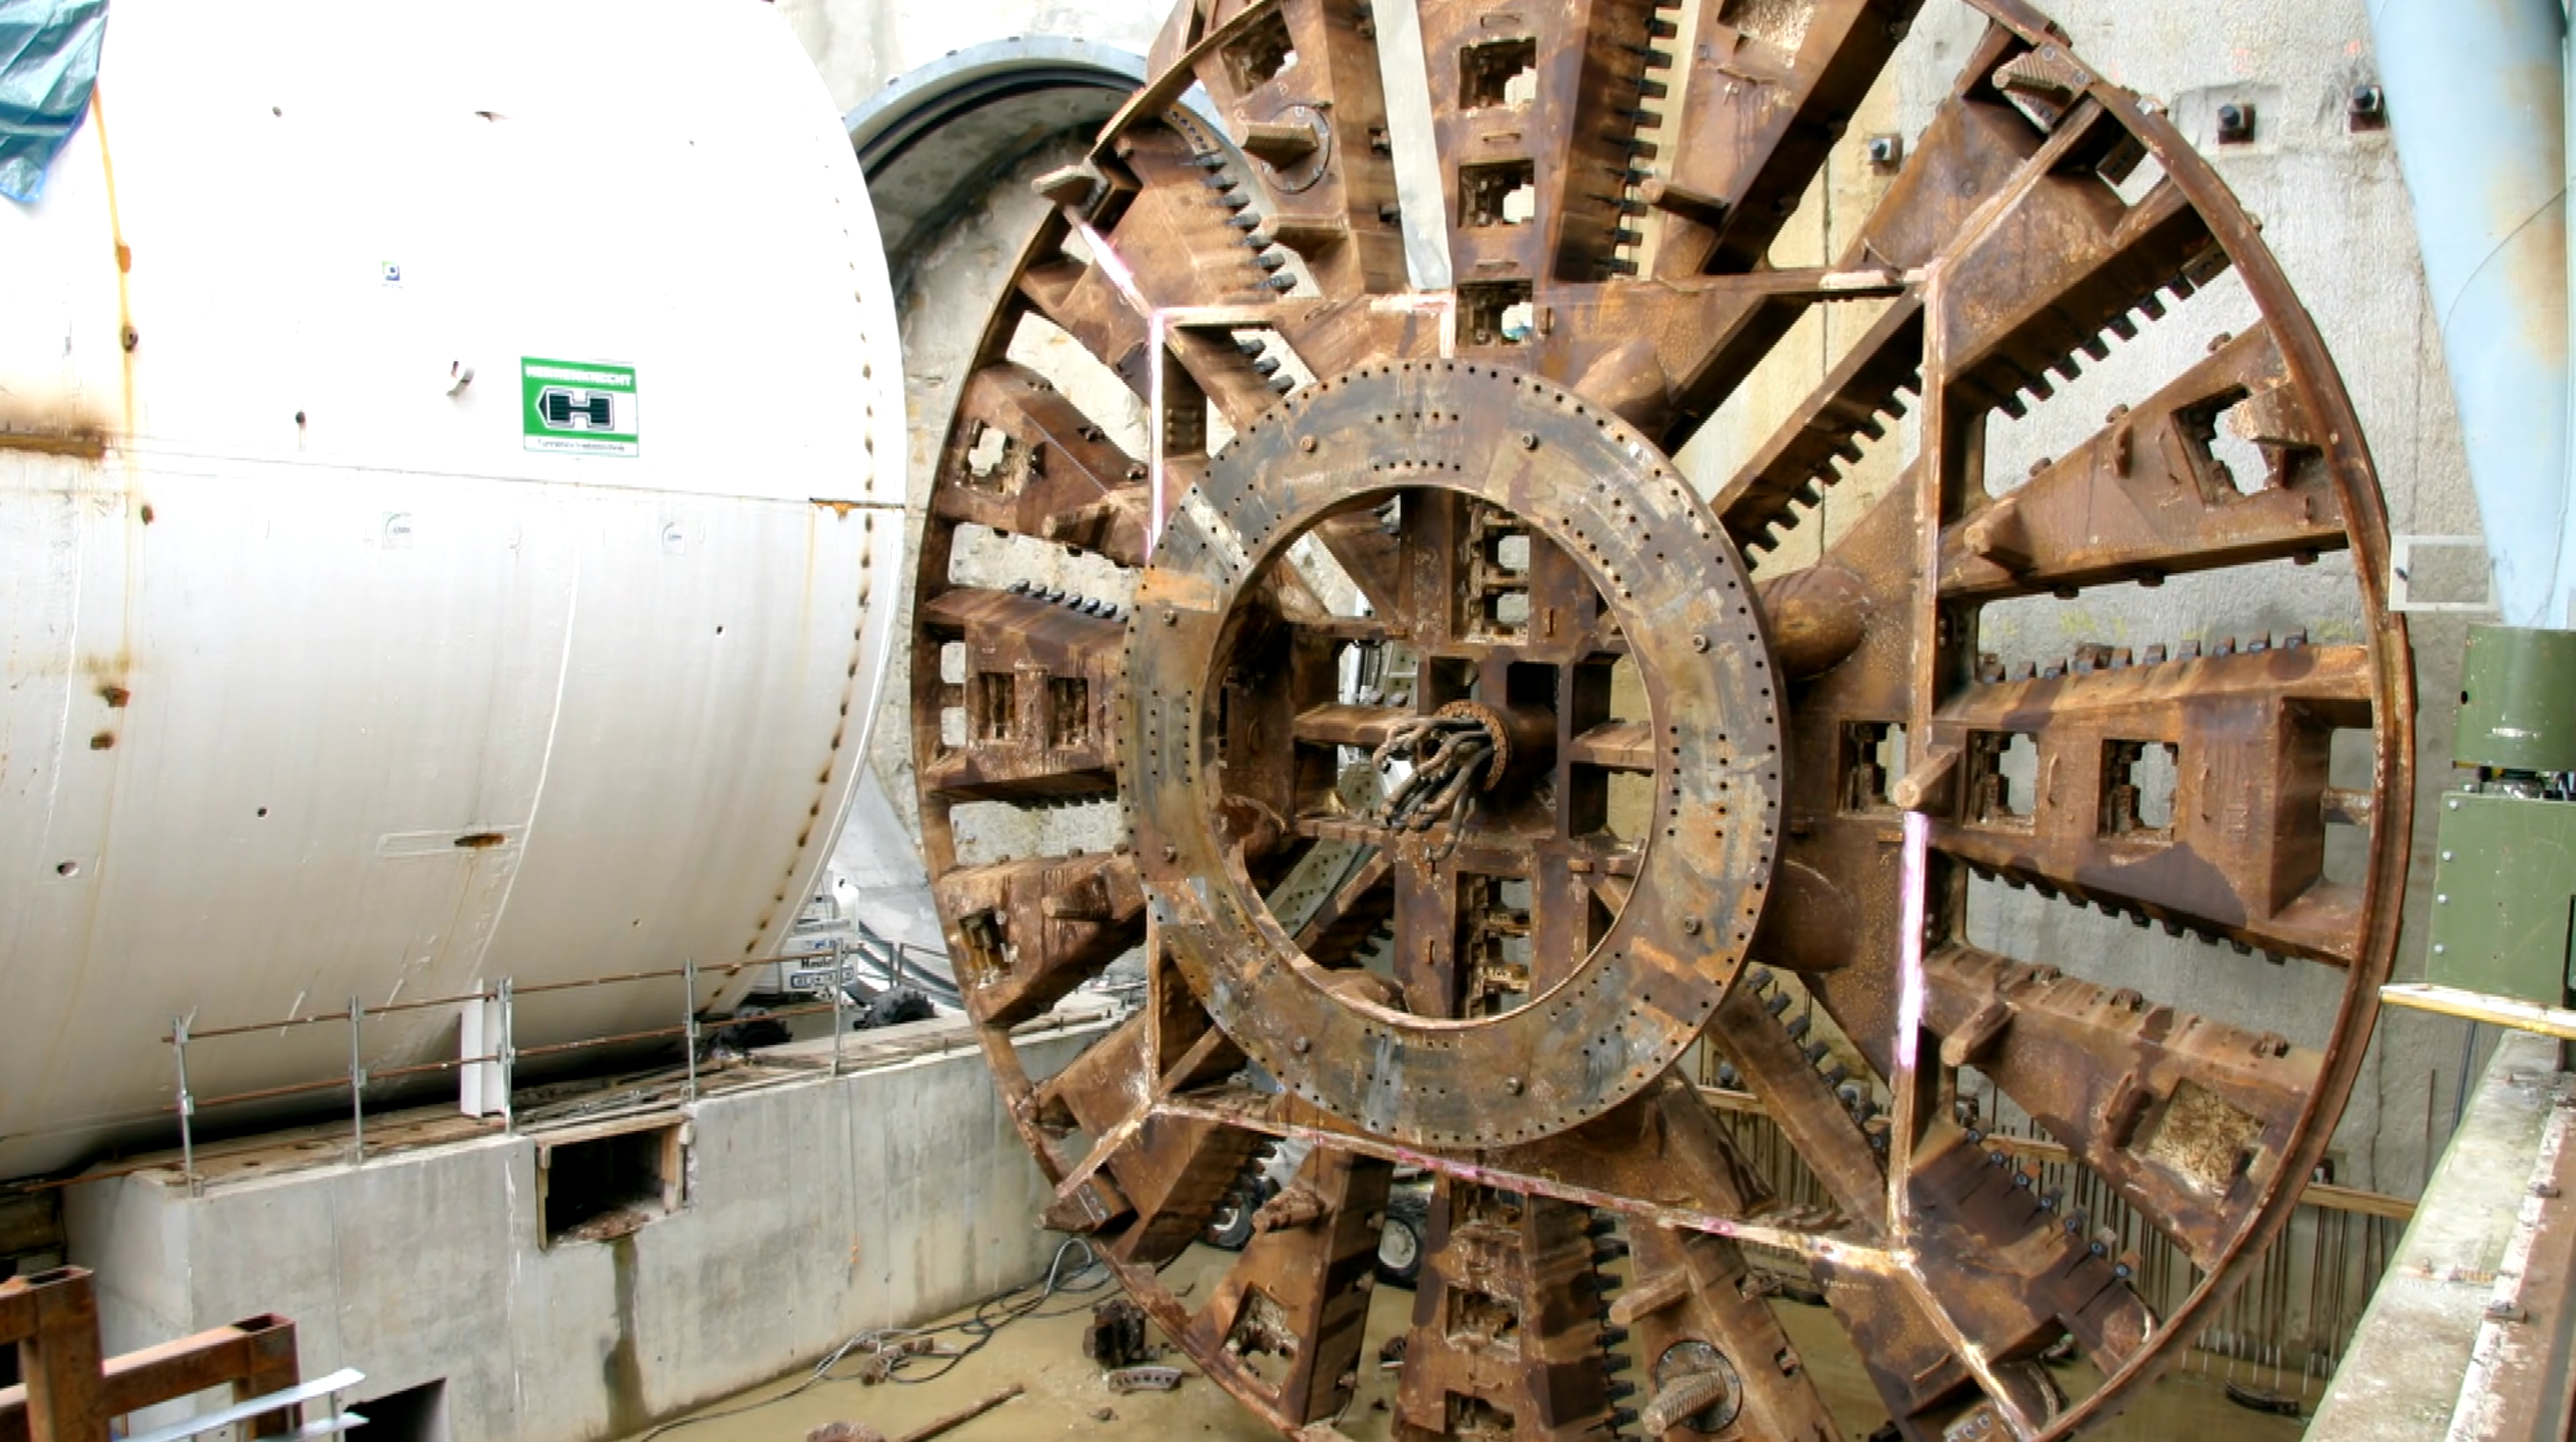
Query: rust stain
column 838, row 508
column 55, row 426
column 480, row 840
column 82, row 442
column 124, row 253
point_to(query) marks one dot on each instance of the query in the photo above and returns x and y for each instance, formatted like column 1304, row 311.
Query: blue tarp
column 48, row 66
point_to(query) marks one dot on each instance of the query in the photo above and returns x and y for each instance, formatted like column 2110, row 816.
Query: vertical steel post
column 508, row 1049
column 357, row 1087
column 689, row 1023
column 187, row 1107
column 840, row 998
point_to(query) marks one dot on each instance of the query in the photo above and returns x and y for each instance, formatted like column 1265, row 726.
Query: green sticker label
column 584, row 407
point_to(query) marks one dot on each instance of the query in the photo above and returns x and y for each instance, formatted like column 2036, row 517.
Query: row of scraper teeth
column 1608, row 1247
column 1234, row 196
column 2091, row 658
column 2135, row 915
column 1863, row 423
column 1858, row 1095
column 1863, row 412
column 1059, row 596
column 1629, row 202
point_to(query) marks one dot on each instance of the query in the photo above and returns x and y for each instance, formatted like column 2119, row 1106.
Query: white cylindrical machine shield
column 450, row 495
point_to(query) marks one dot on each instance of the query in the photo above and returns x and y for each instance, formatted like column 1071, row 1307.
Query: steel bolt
column 1171, row 618
column 1511, row 1086
column 1171, row 853
column 1690, row 926
column 1306, row 444
column 1886, row 151
column 1301, row 1046
column 1699, row 643
column 2235, row 123
column 1529, row 440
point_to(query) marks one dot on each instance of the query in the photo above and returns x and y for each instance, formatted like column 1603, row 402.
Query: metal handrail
column 503, row 1054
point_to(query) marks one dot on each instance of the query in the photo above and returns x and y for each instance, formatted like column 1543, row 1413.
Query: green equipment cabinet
column 2504, row 883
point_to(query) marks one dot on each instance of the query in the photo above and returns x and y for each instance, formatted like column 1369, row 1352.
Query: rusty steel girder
column 1359, row 657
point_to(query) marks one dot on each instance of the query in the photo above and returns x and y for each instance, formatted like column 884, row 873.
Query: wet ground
column 1064, row 1395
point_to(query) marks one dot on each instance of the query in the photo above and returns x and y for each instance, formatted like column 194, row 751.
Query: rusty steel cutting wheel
column 1359, row 656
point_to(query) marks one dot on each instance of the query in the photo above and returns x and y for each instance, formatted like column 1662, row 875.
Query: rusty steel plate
column 1574, row 549
column 1467, row 784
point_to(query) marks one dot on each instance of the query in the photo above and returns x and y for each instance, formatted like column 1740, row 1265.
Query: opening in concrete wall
column 598, row 1187
column 414, row 1414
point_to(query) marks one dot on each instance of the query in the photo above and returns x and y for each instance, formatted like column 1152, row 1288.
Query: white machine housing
column 334, row 665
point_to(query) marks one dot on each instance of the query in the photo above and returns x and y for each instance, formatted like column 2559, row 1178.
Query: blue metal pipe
column 2477, row 98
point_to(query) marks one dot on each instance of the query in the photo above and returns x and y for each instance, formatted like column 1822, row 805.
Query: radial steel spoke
column 1160, row 1175
column 1041, row 678
column 1694, row 1296
column 1298, row 83
column 2146, row 497
column 1808, row 451
column 2240, row 851
column 2187, row 1117
column 1290, row 1316
column 1541, row 193
column 1767, row 98
column 1828, row 1131
column 1353, row 916
column 1507, row 1330
column 2077, row 261
column 1024, row 933
column 1024, row 459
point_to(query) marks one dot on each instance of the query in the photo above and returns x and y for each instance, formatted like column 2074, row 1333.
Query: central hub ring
column 1631, row 795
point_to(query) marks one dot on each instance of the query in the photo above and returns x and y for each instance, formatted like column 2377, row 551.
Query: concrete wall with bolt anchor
column 811, row 1210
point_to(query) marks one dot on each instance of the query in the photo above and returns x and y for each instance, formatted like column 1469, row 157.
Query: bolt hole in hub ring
column 1621, row 559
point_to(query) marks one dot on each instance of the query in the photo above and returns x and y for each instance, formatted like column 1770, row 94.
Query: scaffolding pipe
column 2477, row 101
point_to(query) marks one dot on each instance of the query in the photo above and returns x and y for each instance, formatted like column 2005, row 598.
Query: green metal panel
column 2518, row 700
column 2505, row 897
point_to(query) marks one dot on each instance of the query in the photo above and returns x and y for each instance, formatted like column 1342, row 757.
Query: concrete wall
column 814, row 1210
column 2333, row 207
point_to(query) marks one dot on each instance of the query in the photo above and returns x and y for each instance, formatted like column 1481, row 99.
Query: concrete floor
column 1065, row 1396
